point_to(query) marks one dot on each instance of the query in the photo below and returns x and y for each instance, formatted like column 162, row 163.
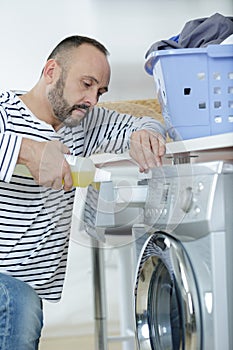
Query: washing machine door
column 167, row 305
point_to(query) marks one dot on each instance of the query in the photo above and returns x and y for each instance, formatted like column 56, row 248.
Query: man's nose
column 92, row 98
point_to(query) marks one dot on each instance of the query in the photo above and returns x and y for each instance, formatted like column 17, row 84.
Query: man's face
column 79, row 87
column 62, row 109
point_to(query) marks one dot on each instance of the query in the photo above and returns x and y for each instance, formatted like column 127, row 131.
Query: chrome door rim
column 164, row 249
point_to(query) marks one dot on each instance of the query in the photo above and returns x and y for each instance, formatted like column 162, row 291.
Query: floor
column 85, row 343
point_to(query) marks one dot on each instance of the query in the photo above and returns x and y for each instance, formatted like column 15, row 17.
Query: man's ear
column 50, row 71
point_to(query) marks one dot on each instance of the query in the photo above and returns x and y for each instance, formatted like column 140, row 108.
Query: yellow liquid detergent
column 82, row 170
column 82, row 178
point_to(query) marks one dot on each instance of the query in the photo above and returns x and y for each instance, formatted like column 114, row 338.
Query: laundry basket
column 195, row 89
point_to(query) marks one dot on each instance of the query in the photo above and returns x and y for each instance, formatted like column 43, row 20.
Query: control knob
column 186, row 199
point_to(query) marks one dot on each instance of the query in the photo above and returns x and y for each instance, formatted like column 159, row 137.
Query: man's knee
column 20, row 312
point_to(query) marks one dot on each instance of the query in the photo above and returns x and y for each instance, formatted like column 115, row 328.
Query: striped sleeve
column 9, row 149
column 110, row 131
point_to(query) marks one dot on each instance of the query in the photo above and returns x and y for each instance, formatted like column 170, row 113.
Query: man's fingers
column 147, row 148
column 67, row 178
column 158, row 148
column 136, row 151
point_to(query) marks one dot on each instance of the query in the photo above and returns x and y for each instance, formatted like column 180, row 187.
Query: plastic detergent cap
column 80, row 163
column 84, row 172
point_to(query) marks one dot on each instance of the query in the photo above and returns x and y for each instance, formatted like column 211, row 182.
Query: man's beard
column 61, row 109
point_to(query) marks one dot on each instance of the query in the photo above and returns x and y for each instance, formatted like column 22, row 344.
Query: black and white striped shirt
column 35, row 221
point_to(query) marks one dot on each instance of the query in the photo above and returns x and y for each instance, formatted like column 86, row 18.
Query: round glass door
column 166, row 298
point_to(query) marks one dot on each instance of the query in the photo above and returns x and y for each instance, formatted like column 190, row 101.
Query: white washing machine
column 184, row 280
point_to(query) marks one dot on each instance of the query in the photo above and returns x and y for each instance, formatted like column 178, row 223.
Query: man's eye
column 87, row 84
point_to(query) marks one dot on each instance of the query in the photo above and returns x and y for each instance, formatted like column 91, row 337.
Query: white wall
column 30, row 29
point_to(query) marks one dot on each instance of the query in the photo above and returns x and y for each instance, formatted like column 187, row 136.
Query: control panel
column 178, row 200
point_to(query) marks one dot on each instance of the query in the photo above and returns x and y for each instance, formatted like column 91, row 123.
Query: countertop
column 208, row 143
column 208, row 148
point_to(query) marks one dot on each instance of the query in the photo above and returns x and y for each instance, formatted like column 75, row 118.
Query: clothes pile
column 199, row 32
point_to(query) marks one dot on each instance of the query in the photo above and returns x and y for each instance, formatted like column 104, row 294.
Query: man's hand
column 46, row 163
column 147, row 149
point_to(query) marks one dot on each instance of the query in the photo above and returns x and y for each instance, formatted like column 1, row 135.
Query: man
column 57, row 116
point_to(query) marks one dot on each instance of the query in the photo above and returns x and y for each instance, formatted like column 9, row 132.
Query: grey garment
column 198, row 33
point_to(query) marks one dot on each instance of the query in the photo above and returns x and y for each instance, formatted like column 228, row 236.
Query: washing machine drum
column 166, row 297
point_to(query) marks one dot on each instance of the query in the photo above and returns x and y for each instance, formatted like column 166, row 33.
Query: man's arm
column 113, row 132
column 45, row 160
column 46, row 163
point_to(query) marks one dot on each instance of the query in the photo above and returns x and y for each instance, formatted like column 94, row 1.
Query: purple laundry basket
column 195, row 89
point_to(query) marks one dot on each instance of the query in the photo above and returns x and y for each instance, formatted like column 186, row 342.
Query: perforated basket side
column 195, row 89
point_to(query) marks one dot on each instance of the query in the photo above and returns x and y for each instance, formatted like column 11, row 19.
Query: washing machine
column 183, row 288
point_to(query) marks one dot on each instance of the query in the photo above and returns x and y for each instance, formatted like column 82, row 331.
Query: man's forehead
column 90, row 62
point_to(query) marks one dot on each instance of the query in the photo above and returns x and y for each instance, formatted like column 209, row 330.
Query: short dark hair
column 73, row 42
